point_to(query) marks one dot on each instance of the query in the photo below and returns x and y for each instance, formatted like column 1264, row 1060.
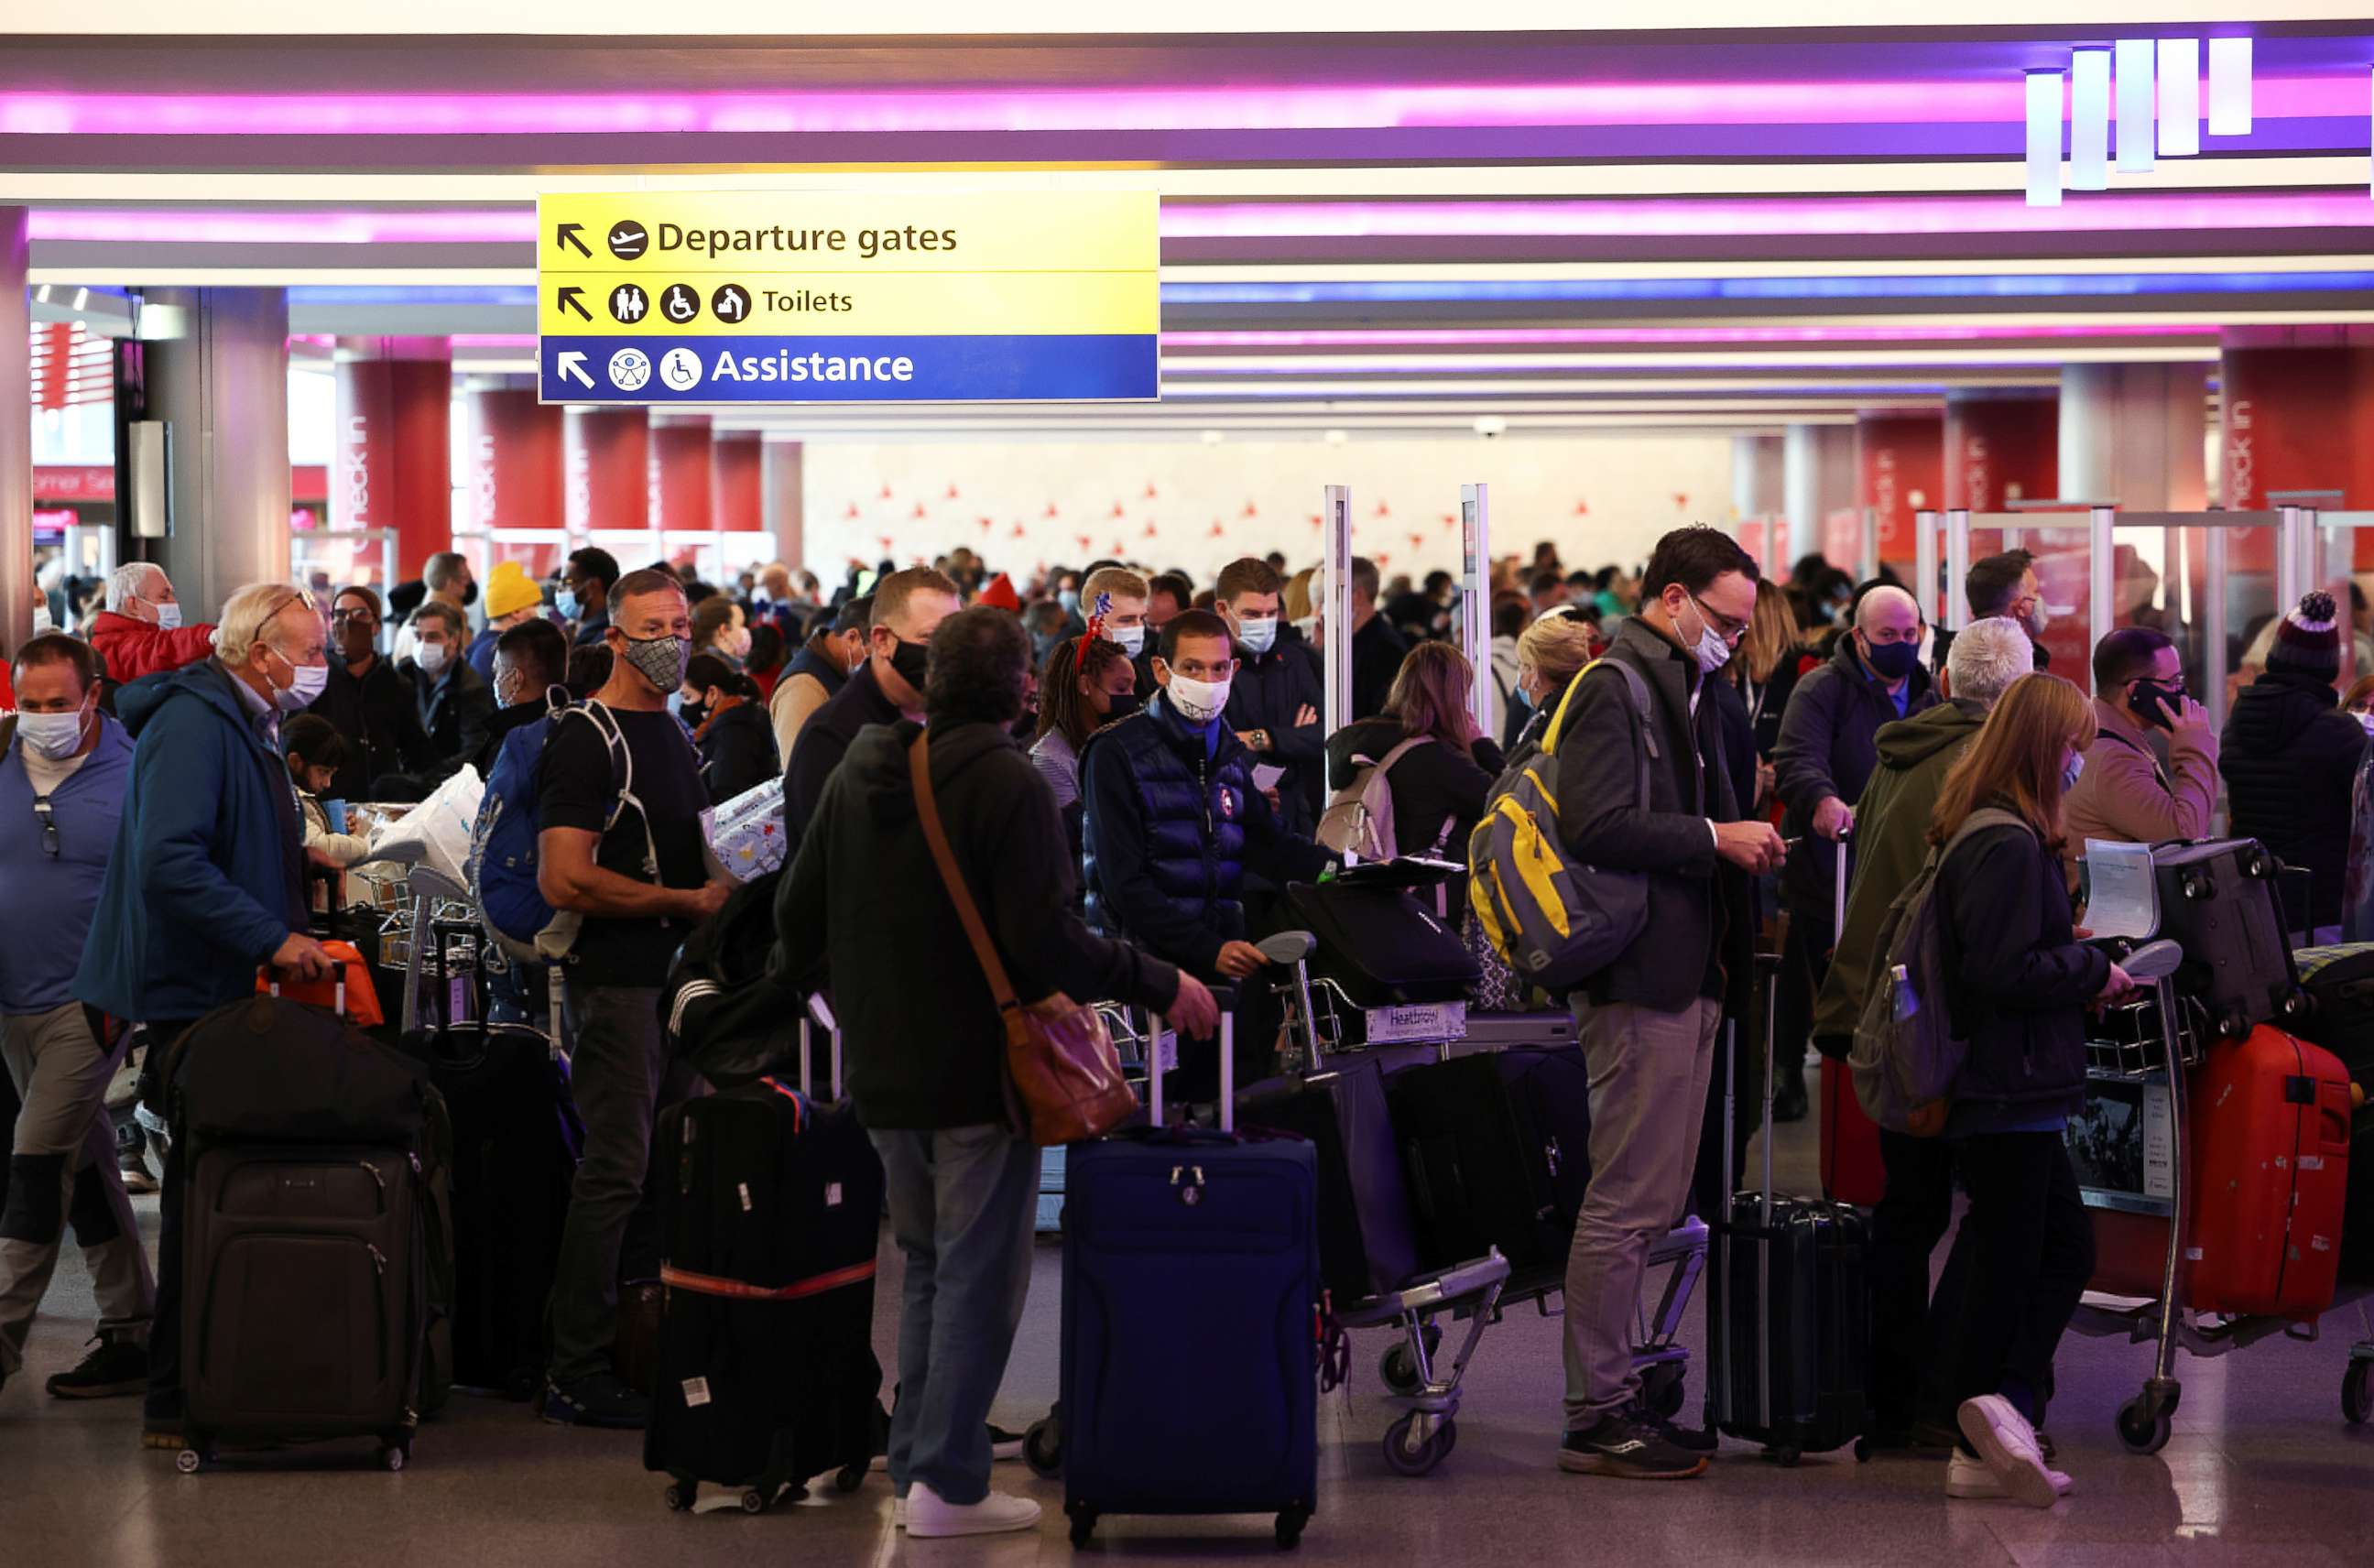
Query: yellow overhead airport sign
column 794, row 296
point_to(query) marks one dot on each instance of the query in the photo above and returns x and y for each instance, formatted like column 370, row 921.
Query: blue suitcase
column 1191, row 1304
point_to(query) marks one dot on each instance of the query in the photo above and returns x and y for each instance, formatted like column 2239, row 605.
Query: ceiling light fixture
column 2089, row 119
column 2135, row 104
column 2044, row 139
column 2229, row 87
column 2179, row 97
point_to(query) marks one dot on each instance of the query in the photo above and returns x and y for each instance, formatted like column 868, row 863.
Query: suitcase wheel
column 1084, row 1523
column 2357, row 1393
column 753, row 1500
column 393, row 1456
column 1042, row 1448
column 849, row 1477
column 188, row 1460
column 1397, row 1369
column 1290, row 1522
column 680, row 1496
column 1661, row 1390
column 2144, row 1429
column 1785, row 1457
column 1410, row 1451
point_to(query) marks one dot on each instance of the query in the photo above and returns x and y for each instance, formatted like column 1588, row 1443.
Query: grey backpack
column 1906, row 1056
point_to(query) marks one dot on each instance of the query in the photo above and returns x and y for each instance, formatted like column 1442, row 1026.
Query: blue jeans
column 963, row 1202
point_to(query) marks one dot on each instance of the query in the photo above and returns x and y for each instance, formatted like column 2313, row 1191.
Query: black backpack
column 724, row 1015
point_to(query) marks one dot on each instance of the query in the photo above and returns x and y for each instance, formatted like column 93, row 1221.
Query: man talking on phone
column 2127, row 794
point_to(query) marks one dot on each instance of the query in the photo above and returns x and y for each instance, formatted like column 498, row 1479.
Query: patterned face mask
column 660, row 660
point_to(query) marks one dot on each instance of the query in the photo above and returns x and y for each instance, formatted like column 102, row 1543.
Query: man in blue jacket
column 63, row 772
column 1173, row 823
column 206, row 882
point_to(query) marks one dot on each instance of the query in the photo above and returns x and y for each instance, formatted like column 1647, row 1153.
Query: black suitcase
column 516, row 1140
column 1497, row 1147
column 2218, row 901
column 1379, row 943
column 309, row 1172
column 766, row 1373
column 1368, row 1241
column 2339, row 982
column 1788, row 1310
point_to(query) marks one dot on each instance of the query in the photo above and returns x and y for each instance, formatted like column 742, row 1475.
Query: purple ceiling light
column 218, row 227
column 1025, row 110
column 1489, row 336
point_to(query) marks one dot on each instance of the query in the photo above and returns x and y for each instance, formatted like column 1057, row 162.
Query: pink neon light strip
column 1486, row 337
column 1606, row 219
column 1024, row 109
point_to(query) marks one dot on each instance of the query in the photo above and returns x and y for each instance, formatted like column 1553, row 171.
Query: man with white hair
column 1891, row 843
column 140, row 632
column 206, row 883
column 1826, row 756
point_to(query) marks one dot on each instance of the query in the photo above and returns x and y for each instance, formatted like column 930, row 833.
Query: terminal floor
column 2262, row 1471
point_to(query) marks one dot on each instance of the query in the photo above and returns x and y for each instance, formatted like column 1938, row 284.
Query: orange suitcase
column 2268, row 1133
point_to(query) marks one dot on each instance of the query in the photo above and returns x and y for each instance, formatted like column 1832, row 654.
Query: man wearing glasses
column 63, row 768
column 1650, row 1020
column 372, row 703
column 2125, row 794
column 205, row 881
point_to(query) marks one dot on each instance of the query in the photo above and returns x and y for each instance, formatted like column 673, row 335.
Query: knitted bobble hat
column 2308, row 641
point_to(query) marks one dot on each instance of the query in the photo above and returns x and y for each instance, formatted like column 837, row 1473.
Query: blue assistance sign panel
column 829, row 297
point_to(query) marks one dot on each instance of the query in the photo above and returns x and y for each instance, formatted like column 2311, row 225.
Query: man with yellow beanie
column 511, row 598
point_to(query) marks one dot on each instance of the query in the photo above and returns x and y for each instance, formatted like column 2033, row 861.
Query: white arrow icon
column 572, row 364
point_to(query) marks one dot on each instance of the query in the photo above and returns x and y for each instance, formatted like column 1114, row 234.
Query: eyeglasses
column 352, row 617
column 49, row 821
column 1730, row 630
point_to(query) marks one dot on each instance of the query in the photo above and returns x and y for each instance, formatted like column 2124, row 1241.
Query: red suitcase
column 2269, row 1136
column 1852, row 1170
column 2271, row 1172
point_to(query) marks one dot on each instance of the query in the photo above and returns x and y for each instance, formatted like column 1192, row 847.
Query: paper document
column 1265, row 776
column 2124, row 898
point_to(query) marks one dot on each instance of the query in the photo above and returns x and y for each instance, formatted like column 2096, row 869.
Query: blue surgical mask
column 1257, row 632
column 1131, row 638
column 2069, row 774
column 1069, row 598
column 566, row 603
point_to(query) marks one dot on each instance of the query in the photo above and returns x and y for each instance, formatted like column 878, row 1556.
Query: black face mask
column 1892, row 661
column 2156, row 703
column 912, row 660
column 1120, row 707
column 470, row 593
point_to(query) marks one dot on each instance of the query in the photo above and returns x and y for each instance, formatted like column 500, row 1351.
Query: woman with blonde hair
column 2017, row 988
column 1550, row 654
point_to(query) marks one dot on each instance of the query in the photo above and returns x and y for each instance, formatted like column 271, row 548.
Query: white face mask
column 169, row 616
column 54, row 736
column 306, row 683
column 430, row 657
column 1258, row 633
column 1131, row 638
column 1197, row 702
column 42, row 624
column 1712, row 653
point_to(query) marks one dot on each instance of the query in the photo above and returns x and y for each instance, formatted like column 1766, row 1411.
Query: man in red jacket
column 140, row 632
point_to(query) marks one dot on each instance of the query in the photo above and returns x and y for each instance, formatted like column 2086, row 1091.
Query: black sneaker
column 1689, row 1439
column 1623, row 1445
column 1004, row 1445
column 115, row 1368
column 597, row 1399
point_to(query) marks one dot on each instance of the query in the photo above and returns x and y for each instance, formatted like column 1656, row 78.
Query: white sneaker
column 2007, row 1444
column 928, row 1516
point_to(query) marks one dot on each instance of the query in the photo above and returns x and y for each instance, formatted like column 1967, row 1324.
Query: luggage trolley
column 2136, row 1077
column 1407, row 1034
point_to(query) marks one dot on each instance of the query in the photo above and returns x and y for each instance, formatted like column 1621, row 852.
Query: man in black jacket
column 1830, row 748
column 908, row 606
column 866, row 908
column 454, row 705
column 369, row 702
column 530, row 660
column 1275, row 702
column 1649, row 1019
column 1377, row 649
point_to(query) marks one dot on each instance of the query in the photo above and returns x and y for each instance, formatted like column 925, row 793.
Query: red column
column 679, row 473
column 512, row 477
column 735, row 489
column 393, row 467
column 2298, row 407
column 1900, row 469
column 2000, row 450
column 606, row 460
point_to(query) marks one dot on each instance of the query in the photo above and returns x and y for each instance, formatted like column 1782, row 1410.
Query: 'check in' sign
column 824, row 296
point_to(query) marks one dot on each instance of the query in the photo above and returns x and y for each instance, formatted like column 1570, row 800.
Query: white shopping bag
column 745, row 835
column 436, row 833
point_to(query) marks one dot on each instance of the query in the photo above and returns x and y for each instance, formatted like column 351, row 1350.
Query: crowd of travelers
column 1130, row 767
